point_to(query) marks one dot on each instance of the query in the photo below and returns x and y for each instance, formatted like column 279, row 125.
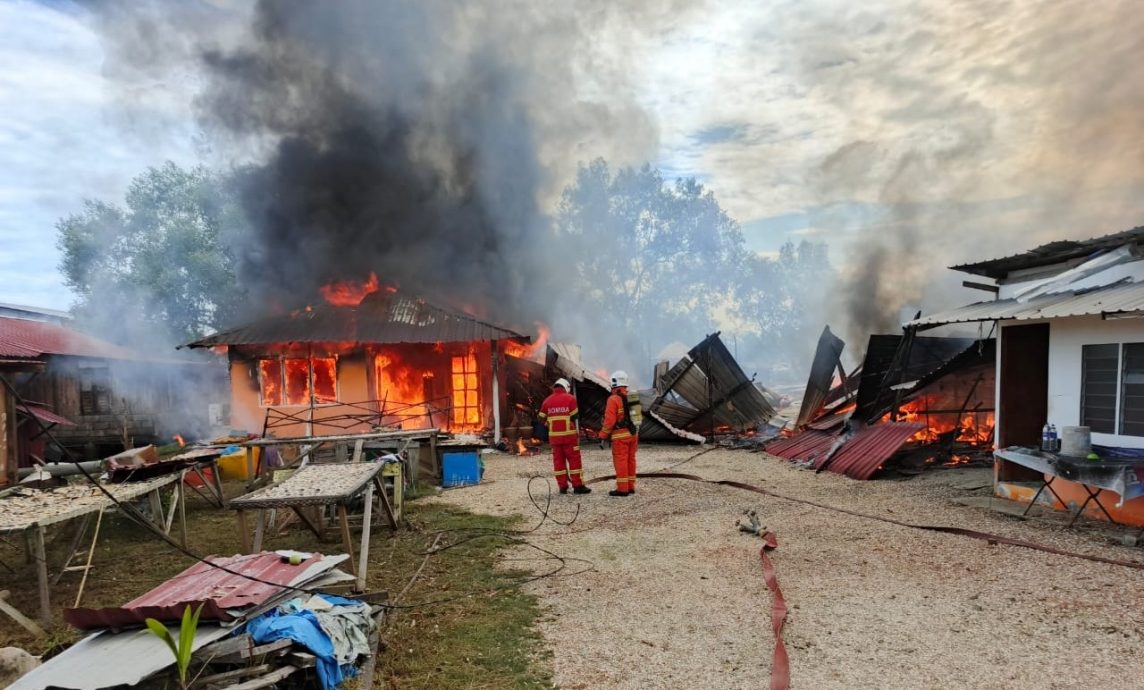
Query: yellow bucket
column 233, row 466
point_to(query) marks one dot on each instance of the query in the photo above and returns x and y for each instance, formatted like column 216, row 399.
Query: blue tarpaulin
column 302, row 626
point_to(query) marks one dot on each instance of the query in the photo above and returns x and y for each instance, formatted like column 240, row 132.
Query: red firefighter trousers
column 566, row 463
column 624, row 460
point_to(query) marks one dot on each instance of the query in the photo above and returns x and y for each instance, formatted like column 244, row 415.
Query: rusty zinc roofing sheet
column 26, row 339
column 867, row 450
column 803, row 446
column 383, row 317
column 221, row 593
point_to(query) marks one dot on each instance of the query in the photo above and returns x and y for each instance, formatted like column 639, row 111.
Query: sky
column 931, row 131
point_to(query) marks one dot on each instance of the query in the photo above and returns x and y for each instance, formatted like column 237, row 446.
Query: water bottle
column 1054, row 442
column 1045, row 437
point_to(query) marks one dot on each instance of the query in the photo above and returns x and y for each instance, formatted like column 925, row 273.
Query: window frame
column 465, row 374
column 1117, row 385
column 282, row 381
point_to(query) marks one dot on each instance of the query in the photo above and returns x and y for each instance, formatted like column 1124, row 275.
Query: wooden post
column 359, row 446
column 183, row 510
column 347, row 540
column 41, row 556
column 90, row 554
column 259, row 531
column 363, row 562
column 14, row 613
column 176, row 494
column 216, row 478
column 496, row 393
column 250, row 476
column 244, row 531
column 434, row 461
column 156, row 502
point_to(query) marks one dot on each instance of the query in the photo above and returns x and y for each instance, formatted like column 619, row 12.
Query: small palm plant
column 183, row 647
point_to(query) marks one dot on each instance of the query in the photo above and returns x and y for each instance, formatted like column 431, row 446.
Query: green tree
column 163, row 261
column 652, row 260
column 782, row 298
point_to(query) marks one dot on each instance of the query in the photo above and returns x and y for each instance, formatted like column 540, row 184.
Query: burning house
column 368, row 357
column 1070, row 353
column 97, row 398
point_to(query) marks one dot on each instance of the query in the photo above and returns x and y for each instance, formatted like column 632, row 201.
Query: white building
column 1070, row 331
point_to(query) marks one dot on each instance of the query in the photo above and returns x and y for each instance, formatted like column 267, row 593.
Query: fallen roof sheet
column 44, row 414
column 881, row 370
column 857, row 455
column 656, row 428
column 107, row 659
column 807, row 445
column 1051, row 253
column 827, row 359
column 223, row 595
column 1122, row 298
column 707, row 387
column 865, row 452
column 382, row 317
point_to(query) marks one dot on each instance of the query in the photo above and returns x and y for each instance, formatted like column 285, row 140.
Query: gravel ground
column 674, row 597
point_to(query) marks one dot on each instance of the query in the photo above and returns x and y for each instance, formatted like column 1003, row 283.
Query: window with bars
column 1132, row 390
column 287, row 380
column 1100, row 365
column 466, row 387
column 94, row 394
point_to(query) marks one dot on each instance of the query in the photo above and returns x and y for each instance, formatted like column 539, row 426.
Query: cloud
column 61, row 141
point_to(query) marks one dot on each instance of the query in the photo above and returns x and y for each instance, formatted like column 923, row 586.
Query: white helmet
column 563, row 383
column 619, row 379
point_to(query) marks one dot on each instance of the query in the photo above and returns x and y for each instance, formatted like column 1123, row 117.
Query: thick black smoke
column 423, row 141
column 370, row 169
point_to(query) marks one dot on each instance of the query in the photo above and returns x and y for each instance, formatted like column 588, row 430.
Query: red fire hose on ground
column 780, row 667
column 780, row 662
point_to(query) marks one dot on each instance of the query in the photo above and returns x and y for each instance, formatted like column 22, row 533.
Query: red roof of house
column 24, row 339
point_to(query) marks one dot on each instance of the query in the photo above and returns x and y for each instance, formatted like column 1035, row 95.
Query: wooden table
column 320, row 486
column 30, row 512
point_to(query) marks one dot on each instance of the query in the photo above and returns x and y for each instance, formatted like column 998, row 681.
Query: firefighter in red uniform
column 622, row 417
column 559, row 412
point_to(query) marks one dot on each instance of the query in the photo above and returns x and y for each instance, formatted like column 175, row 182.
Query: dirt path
column 674, row 597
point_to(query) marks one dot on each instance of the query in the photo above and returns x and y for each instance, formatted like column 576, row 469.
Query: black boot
column 581, row 490
column 617, row 492
column 563, row 489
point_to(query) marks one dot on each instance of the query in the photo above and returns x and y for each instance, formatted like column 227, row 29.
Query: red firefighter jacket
column 559, row 412
column 614, row 414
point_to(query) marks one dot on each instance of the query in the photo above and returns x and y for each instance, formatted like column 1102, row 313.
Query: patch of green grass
column 482, row 636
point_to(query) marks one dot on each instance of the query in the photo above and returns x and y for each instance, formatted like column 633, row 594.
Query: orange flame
column 180, row 440
column 520, row 448
column 534, row 351
column 347, row 293
column 975, row 428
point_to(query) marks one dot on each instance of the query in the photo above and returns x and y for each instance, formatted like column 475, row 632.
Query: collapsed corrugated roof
column 706, row 388
column 858, row 454
column 382, row 317
column 895, row 359
column 1052, row 253
column 827, row 359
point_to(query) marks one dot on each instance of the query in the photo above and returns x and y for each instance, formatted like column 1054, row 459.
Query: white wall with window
column 1096, row 378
